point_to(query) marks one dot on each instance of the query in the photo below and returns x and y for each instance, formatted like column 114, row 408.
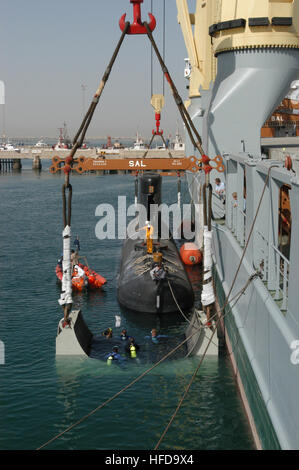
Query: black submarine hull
column 138, row 292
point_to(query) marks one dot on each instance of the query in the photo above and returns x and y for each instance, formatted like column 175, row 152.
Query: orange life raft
column 92, row 279
column 190, row 254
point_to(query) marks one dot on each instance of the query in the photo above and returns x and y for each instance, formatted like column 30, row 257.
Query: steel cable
column 87, row 119
column 179, row 102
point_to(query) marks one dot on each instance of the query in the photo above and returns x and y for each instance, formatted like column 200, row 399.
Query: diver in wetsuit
column 113, row 356
column 132, row 348
column 108, row 333
column 123, row 335
column 155, row 337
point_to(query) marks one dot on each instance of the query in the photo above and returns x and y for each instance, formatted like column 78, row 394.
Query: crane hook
column 137, row 26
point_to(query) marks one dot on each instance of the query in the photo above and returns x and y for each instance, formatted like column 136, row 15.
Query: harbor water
column 41, row 395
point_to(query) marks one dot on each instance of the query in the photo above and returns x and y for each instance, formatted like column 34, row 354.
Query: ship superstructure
column 243, row 58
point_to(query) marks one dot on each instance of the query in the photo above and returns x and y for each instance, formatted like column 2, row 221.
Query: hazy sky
column 50, row 48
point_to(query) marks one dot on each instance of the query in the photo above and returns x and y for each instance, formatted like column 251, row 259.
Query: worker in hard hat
column 149, row 235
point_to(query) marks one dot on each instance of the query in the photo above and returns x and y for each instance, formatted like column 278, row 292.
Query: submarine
column 152, row 278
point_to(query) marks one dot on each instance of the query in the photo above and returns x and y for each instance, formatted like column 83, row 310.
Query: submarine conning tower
column 149, row 194
column 243, row 57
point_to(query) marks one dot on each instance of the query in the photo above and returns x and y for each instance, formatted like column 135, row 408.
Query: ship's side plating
column 257, row 48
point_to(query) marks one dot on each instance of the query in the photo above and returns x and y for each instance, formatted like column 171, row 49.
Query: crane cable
column 81, row 133
column 179, row 102
column 66, row 298
column 213, row 317
column 163, row 80
column 163, row 49
column 80, row 136
column 151, row 141
column 164, row 41
column 152, row 59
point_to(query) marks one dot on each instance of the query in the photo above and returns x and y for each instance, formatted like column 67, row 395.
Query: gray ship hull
column 262, row 325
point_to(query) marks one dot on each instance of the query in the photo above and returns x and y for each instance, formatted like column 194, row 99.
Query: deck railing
column 264, row 254
column 247, row 173
column 282, row 278
column 261, row 248
column 238, row 222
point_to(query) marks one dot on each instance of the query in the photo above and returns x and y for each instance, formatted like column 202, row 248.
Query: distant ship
column 109, row 148
column 178, row 143
column 41, row 144
column 9, row 147
column 138, row 144
column 64, row 142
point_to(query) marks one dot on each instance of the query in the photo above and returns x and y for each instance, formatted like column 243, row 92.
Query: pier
column 10, row 164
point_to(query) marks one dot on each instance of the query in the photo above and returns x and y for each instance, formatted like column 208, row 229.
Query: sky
column 50, row 48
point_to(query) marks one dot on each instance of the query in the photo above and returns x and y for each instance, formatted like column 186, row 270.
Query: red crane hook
column 158, row 131
column 137, row 26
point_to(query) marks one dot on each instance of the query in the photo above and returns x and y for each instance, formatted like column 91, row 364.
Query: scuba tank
column 133, row 351
column 110, row 360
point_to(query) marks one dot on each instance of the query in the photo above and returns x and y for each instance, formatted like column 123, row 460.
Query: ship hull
column 260, row 351
column 258, row 328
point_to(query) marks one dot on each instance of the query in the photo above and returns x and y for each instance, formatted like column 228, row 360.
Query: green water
column 40, row 395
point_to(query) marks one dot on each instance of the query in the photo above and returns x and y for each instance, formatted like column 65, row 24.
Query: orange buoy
column 190, row 254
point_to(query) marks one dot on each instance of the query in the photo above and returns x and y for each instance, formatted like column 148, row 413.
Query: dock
column 12, row 160
column 47, row 153
column 10, row 164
